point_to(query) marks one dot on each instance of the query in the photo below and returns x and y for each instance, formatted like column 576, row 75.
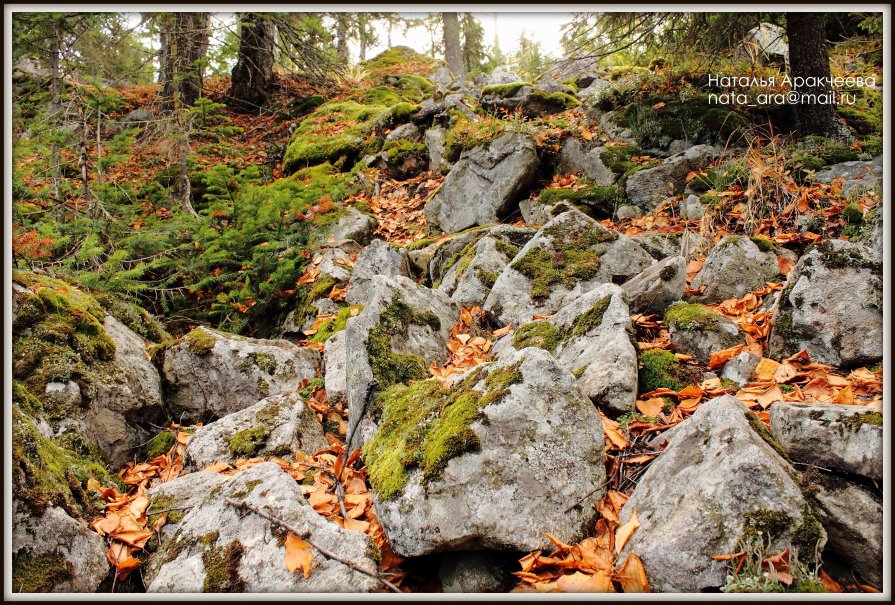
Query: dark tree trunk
column 808, row 58
column 452, row 51
column 252, row 76
column 187, row 37
column 55, row 107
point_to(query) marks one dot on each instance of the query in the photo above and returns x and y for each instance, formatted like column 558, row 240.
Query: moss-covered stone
column 764, row 244
column 661, row 370
column 618, row 158
column 40, row 573
column 721, row 177
column 265, row 361
column 424, row 426
column 504, row 90
column 686, row 316
column 388, row 367
column 160, row 445
column 762, row 431
column 248, row 442
column 593, row 197
column 222, row 566
column 200, row 341
column 540, row 334
column 336, row 324
column 765, row 523
column 592, row 318
column 855, row 421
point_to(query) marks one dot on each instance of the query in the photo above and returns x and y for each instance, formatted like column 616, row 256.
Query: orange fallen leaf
column 632, row 575
column 298, row 555
column 582, row 582
column 650, row 407
column 625, row 531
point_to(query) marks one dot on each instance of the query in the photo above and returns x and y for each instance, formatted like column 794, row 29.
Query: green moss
column 856, row 420
column 222, row 566
column 336, row 324
column 592, row 318
column 593, row 196
column 247, row 489
column 308, row 390
column 764, row 244
column 540, row 334
column 560, row 100
column 486, row 278
column 40, row 573
column 388, row 367
column 686, row 316
column 381, row 95
column 167, row 503
column 415, row 88
column 762, row 430
column 504, row 90
column 618, row 158
column 693, row 119
column 424, row 426
column 398, row 113
column 506, row 248
column 807, row 535
column 575, row 256
column 268, row 415
column 625, row 419
column 265, row 361
column 134, row 317
column 160, row 445
column 200, row 341
column 661, row 370
column 579, row 372
column 398, row 59
column 396, row 151
column 767, row 523
column 840, row 258
column 852, row 214
column 248, row 442
column 422, row 243
column 721, row 177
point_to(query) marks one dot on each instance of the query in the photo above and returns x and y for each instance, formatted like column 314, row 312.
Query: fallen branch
column 306, row 537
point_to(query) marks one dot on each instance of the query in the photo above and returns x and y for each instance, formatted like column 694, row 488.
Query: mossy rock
column 695, row 120
column 388, row 367
column 336, row 324
column 540, row 334
column 661, row 370
column 686, row 316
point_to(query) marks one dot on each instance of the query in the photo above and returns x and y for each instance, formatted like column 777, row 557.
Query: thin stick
column 588, row 495
column 306, row 536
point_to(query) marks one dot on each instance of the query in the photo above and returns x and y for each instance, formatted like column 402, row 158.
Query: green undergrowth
column 424, row 425
column 398, row 60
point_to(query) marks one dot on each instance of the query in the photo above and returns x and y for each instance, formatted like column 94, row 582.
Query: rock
column 847, row 438
column 211, row 374
column 402, row 329
column 831, row 306
column 647, row 188
column 409, row 132
column 336, row 364
column 507, row 477
column 27, row 67
column 485, row 184
column 573, row 157
column 435, row 145
column 609, row 123
column 448, row 248
column 580, row 67
column 277, row 426
column 741, row 369
column 715, row 479
column 691, row 208
column 139, row 115
column 568, row 256
column 477, row 572
column 659, row 285
column 442, row 76
column 502, row 75
column 476, row 267
column 628, row 211
column 594, row 89
column 219, row 548
column 858, row 176
column 52, row 552
column 766, row 42
column 852, row 516
column 379, row 258
column 696, row 331
column 179, row 495
column 735, row 266
column 355, row 226
column 873, row 236
column 525, row 99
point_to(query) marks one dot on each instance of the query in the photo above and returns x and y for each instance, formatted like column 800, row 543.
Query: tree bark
column 55, row 108
column 452, row 50
column 342, row 35
column 252, row 77
column 808, row 58
column 187, row 45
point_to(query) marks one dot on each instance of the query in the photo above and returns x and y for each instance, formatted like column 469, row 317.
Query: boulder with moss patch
column 858, row 177
column 832, row 307
column 176, row 497
column 277, row 426
column 696, row 331
column 524, row 98
column 219, row 548
column 658, row 286
column 379, row 258
column 575, row 157
column 569, row 256
column 735, row 266
column 354, row 225
column 210, row 374
column 493, row 462
column 716, row 488
column 484, row 184
column 846, row 438
column 649, row 187
column 402, row 329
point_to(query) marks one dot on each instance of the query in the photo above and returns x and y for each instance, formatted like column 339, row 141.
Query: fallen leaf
column 625, row 531
column 298, row 555
column 632, row 575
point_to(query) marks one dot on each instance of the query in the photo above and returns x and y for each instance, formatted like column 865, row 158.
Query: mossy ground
column 160, row 445
column 424, row 426
column 686, row 316
column 40, row 573
column 661, row 370
column 574, row 256
column 388, row 367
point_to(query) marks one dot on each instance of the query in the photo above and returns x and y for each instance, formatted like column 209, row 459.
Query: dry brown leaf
column 632, row 575
column 625, row 531
column 298, row 555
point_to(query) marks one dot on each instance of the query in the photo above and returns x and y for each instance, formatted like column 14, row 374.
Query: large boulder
column 355, row 225
column 658, row 286
column 210, row 374
column 484, row 184
column 528, row 100
column 846, row 438
column 766, row 42
column 568, row 256
column 647, row 188
column 717, row 486
column 379, row 258
column 735, row 266
column 402, row 329
column 574, row 157
column 52, row 552
column 831, row 306
column 857, row 177
column 590, row 337
column 219, row 548
column 694, row 330
column 276, row 426
column 178, row 496
column 511, row 452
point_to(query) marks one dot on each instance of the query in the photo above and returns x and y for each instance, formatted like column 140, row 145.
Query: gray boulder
column 846, row 438
column 139, row 115
column 410, row 132
column 654, row 289
column 219, row 548
column 691, row 208
column 660, row 245
column 501, row 75
column 211, row 374
column 335, row 362
column 435, row 145
column 831, row 306
column 52, row 552
column 872, row 236
column 477, row 572
column 697, row 331
column 741, row 368
column 536, row 462
column 570, row 255
column 179, row 495
column 528, row 100
column 379, row 258
column 276, row 426
column 485, row 184
column 858, row 176
column 573, row 157
column 766, row 42
column 716, row 480
column 355, row 225
column 735, row 266
column 648, row 187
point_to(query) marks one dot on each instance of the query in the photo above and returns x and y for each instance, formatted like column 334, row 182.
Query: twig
column 588, row 495
column 168, row 510
column 305, row 535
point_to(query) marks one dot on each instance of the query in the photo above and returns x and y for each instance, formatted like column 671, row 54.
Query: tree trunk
column 362, row 37
column 342, row 35
column 252, row 76
column 808, row 58
column 187, row 45
column 55, row 108
column 452, row 51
